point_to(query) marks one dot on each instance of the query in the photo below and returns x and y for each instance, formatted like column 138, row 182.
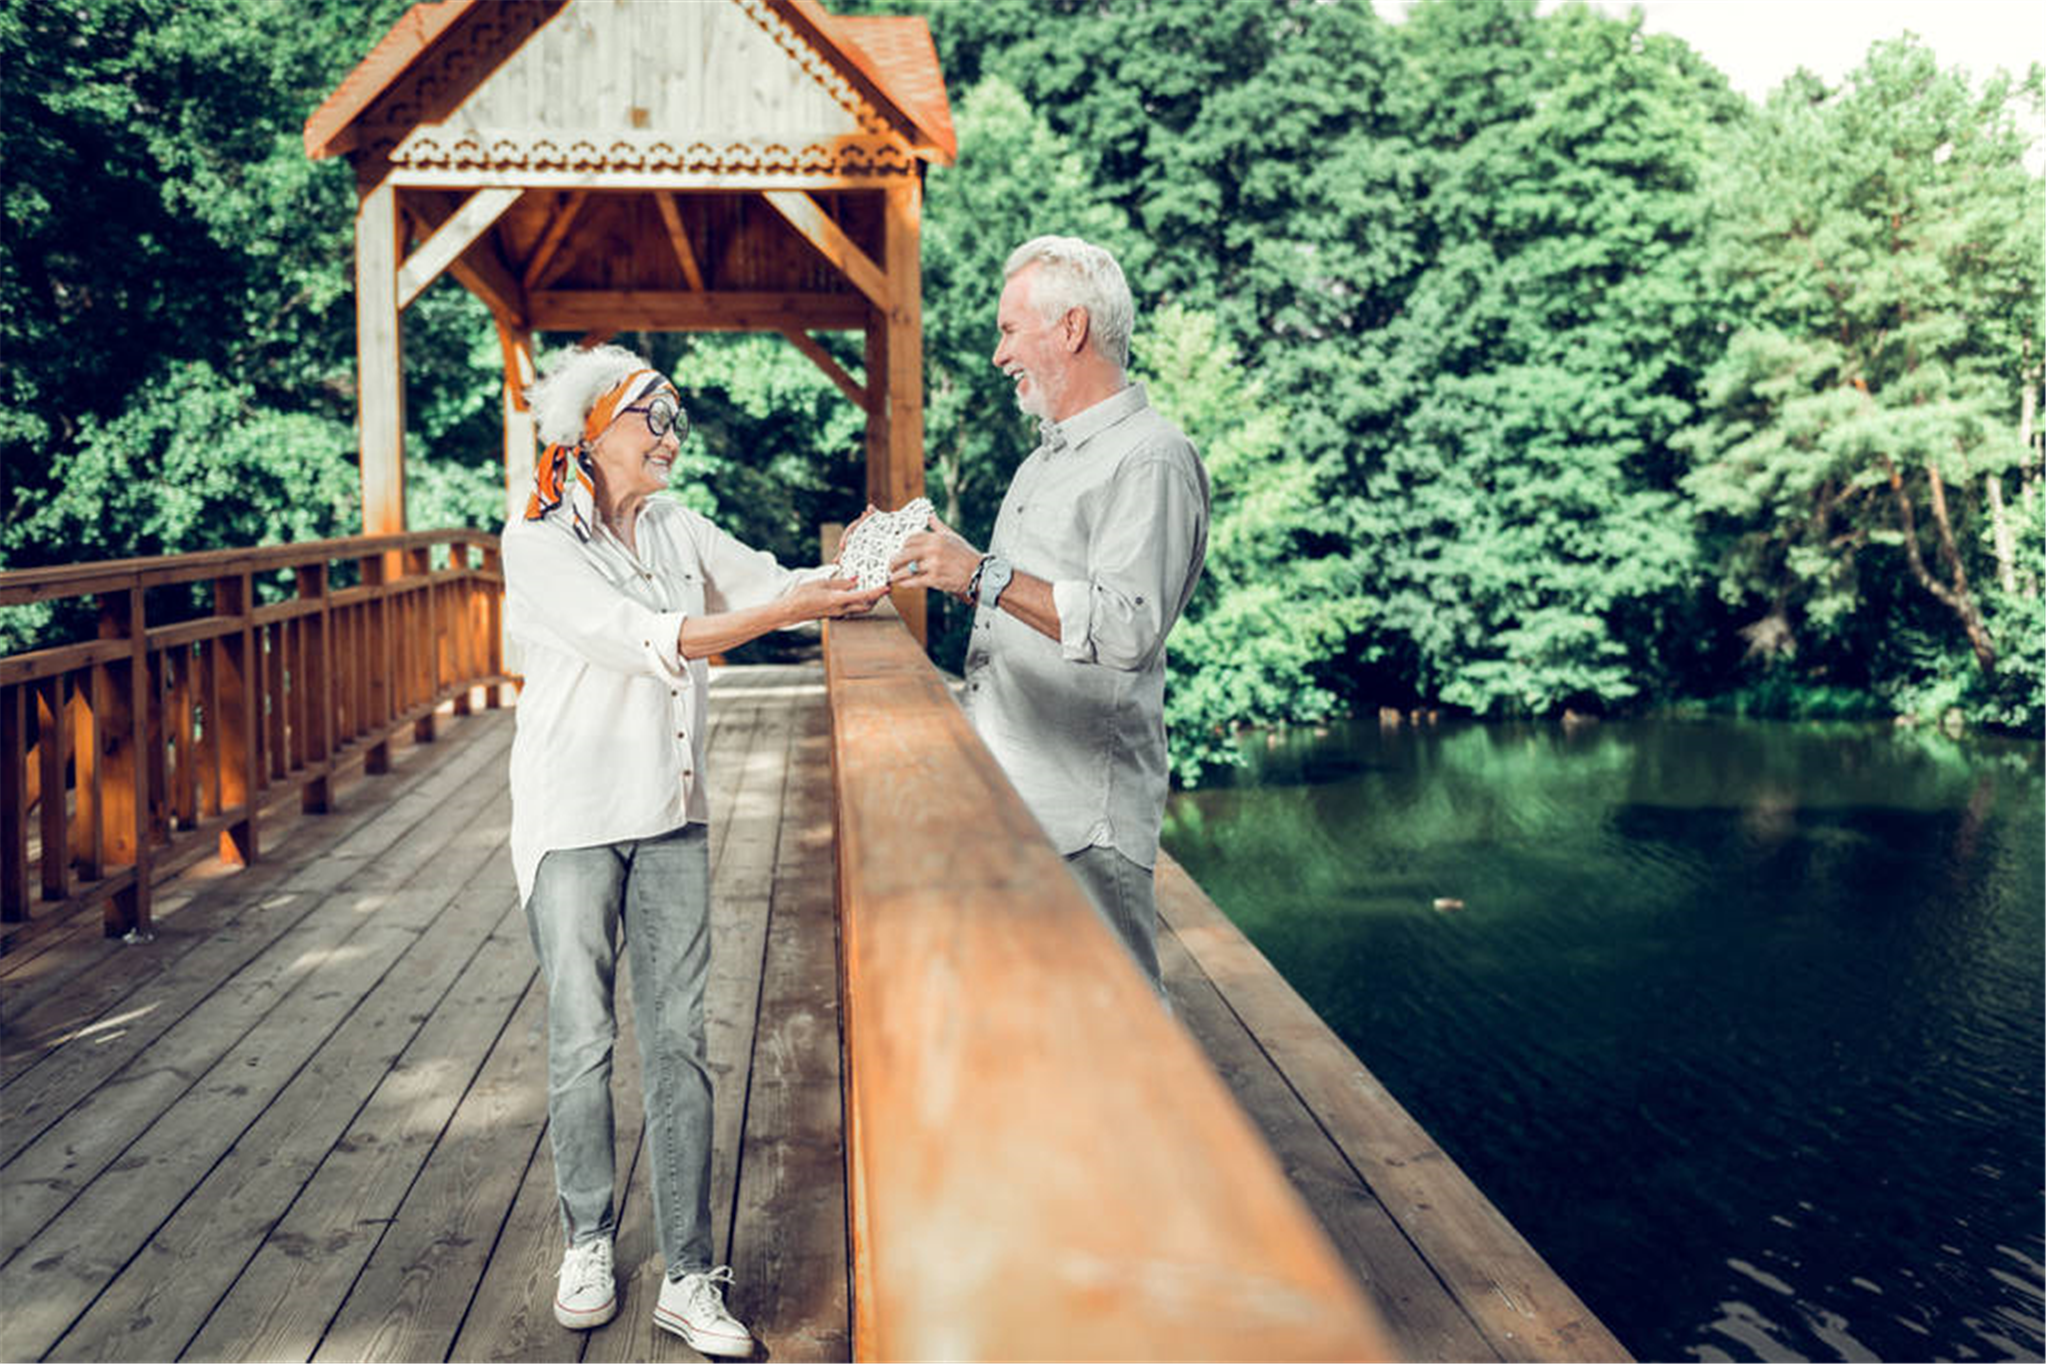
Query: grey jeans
column 657, row 890
column 1124, row 894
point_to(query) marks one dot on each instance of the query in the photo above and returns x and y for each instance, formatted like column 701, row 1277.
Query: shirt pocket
column 691, row 592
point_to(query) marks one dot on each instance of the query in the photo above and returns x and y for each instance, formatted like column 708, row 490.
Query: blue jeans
column 658, row 891
column 1124, row 895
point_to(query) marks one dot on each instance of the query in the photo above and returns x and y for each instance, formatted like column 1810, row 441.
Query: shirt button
column 681, row 734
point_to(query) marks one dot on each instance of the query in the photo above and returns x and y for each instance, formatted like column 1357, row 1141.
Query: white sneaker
column 586, row 1295
column 693, row 1307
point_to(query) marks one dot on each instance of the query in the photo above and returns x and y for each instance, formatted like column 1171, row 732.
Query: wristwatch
column 994, row 580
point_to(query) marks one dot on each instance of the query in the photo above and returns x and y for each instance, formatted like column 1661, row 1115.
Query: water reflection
column 1739, row 1023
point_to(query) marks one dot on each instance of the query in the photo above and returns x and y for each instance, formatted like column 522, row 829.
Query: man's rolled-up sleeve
column 557, row 598
column 1137, row 567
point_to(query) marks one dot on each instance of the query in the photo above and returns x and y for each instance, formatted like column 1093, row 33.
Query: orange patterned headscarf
column 565, row 472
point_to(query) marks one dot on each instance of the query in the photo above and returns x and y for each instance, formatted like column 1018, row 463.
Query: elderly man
column 1095, row 552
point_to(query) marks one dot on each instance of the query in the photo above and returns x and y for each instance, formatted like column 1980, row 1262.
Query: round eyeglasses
column 664, row 413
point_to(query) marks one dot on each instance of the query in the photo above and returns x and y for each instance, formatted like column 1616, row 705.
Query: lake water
column 1739, row 1023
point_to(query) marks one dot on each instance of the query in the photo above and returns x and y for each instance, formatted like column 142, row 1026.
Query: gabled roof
column 416, row 33
column 891, row 59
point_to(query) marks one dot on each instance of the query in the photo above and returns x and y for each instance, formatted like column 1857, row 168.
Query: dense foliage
column 1534, row 368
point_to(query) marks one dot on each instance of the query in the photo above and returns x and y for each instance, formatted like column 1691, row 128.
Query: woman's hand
column 936, row 556
column 835, row 598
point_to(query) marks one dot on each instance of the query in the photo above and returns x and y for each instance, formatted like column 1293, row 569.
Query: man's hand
column 935, row 557
column 832, row 597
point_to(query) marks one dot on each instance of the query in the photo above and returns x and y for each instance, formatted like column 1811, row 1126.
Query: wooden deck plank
column 53, row 1278
column 292, row 842
column 285, row 1298
column 789, row 1238
column 1424, row 1319
column 511, row 1317
column 420, row 1278
column 1525, row 1311
column 230, row 920
column 58, row 1158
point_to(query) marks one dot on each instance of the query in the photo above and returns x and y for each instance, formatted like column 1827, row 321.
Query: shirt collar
column 1076, row 430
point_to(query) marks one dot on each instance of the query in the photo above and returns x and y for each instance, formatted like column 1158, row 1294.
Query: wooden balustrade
column 1042, row 1163
column 126, row 757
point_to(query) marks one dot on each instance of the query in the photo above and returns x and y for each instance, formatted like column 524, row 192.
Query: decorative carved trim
column 816, row 67
column 491, row 149
column 433, row 87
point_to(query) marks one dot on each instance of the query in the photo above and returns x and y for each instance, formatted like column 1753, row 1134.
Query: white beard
column 1038, row 401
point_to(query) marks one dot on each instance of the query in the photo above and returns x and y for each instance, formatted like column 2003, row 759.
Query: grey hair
column 561, row 398
column 1078, row 274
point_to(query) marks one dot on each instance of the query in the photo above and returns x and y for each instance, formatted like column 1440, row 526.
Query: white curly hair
column 1079, row 274
column 570, row 384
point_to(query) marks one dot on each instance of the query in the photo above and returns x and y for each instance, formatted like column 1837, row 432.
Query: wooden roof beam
column 824, row 360
column 481, row 272
column 822, row 231
column 557, row 231
column 475, row 217
column 686, row 310
column 671, row 214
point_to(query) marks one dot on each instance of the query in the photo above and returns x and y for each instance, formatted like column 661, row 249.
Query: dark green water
column 1740, row 1024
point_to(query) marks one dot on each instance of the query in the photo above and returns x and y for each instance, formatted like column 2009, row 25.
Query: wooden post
column 231, row 717
column 87, row 840
column 379, row 377
column 520, row 432
column 496, row 645
column 425, row 646
column 184, row 803
column 903, row 474
column 121, row 709
column 53, row 725
column 157, row 770
column 14, row 803
column 377, row 662
column 877, row 407
column 316, row 686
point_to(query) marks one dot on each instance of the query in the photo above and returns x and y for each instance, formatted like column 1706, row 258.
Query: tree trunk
column 2028, row 466
column 1956, row 596
column 1999, row 524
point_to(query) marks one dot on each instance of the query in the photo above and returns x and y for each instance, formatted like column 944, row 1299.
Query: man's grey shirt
column 1112, row 509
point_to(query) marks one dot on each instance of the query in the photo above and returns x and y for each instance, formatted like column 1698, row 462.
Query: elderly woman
column 616, row 597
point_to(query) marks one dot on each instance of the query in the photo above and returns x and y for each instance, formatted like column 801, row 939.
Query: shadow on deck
column 307, row 1121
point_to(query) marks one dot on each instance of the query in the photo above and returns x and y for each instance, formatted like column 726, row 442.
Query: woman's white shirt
column 610, row 738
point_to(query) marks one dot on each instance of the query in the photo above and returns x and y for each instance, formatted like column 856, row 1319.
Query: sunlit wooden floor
column 308, row 1121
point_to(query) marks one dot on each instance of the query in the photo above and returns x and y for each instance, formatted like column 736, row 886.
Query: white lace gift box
column 864, row 554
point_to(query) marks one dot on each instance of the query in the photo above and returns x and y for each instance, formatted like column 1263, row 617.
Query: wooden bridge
column 301, row 1112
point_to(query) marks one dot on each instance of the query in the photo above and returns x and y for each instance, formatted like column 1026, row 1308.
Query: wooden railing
column 1042, row 1163
column 126, row 757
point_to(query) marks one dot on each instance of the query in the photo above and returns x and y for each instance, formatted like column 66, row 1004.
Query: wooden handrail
column 1042, row 1164
column 128, row 757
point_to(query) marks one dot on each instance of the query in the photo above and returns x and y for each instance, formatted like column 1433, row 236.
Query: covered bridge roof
column 890, row 60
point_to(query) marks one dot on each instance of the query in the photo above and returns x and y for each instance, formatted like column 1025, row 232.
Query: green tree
column 1879, row 248
column 174, row 266
column 1512, row 487
column 1254, row 645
